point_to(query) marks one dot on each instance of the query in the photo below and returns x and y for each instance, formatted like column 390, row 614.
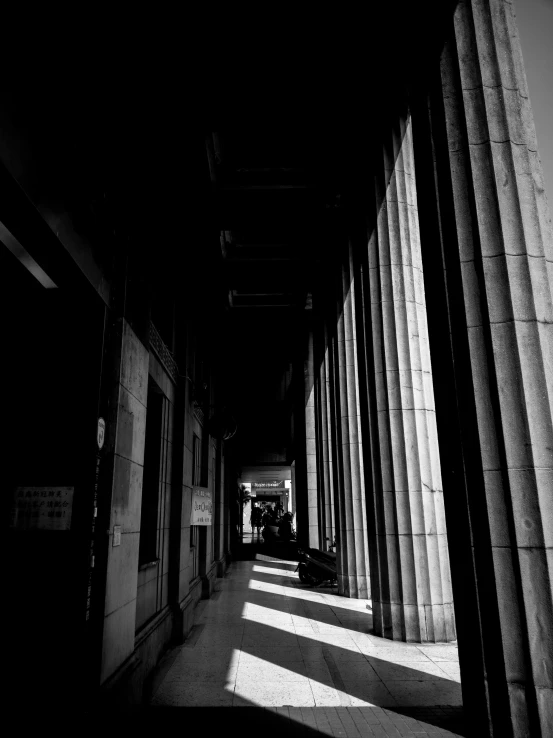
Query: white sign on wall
column 201, row 511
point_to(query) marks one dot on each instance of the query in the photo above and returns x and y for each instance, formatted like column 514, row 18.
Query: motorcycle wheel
column 306, row 577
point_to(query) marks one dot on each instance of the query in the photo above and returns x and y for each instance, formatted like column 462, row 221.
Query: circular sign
column 101, row 432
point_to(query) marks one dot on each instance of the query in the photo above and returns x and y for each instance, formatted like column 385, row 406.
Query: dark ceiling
column 237, row 149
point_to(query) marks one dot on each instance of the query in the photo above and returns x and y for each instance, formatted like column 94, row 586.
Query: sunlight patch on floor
column 254, row 612
column 256, row 584
column 273, row 560
column 275, row 572
column 298, row 593
column 231, row 673
column 267, row 644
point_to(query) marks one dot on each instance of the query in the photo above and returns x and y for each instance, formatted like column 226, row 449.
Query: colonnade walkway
column 265, row 640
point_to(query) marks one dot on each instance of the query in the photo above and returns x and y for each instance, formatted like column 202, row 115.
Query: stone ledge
column 222, row 565
column 184, row 611
column 150, row 626
column 208, row 580
column 118, row 688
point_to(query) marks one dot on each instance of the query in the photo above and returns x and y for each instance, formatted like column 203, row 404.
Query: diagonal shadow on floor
column 298, row 649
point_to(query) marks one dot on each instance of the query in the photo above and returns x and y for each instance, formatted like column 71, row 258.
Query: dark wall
column 51, row 379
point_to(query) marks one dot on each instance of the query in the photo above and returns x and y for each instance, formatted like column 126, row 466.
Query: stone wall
column 125, row 439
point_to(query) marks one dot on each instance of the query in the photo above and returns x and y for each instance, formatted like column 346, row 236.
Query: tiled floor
column 266, row 640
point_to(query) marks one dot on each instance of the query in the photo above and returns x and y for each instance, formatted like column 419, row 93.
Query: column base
column 414, row 623
column 355, row 587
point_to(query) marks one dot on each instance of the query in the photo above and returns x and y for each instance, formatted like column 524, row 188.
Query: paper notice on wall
column 202, row 506
column 42, row 508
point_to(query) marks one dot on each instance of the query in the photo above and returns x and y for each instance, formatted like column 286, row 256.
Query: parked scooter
column 316, row 566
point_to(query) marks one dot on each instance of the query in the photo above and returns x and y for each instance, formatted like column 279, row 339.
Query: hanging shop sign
column 202, row 506
column 42, row 508
column 268, row 485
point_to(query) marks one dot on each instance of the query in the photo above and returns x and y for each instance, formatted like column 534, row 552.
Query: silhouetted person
column 267, row 516
column 285, row 527
column 255, row 519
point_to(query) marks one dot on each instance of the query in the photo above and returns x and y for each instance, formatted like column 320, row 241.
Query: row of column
column 412, row 594
column 487, row 250
column 486, row 160
column 379, row 461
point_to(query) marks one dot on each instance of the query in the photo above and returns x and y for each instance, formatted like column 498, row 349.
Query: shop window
column 151, row 479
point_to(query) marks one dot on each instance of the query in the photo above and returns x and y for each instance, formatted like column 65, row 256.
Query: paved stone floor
column 264, row 640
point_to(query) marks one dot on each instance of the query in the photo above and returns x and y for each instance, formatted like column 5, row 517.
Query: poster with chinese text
column 42, row 508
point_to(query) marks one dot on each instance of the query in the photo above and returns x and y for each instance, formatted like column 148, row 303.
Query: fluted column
column 321, row 443
column 311, row 444
column 505, row 254
column 326, row 438
column 335, row 432
column 411, row 583
column 353, row 573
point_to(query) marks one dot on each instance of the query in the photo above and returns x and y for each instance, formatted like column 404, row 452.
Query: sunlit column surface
column 353, row 572
column 310, row 442
column 326, row 440
column 505, row 250
column 411, row 583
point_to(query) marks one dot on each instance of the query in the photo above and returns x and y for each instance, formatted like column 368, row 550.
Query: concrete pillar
column 319, row 439
column 310, row 444
column 293, row 488
column 411, row 584
column 333, row 427
column 300, row 424
column 352, row 558
column 219, row 510
column 124, row 450
column 326, row 466
column 505, row 257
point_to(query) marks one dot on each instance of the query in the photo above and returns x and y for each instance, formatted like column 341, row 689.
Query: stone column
column 411, row 583
column 504, row 255
column 353, row 572
column 321, row 510
column 310, row 444
column 301, row 412
column 327, row 497
column 334, row 429
column 293, row 488
column 218, row 510
column 126, row 424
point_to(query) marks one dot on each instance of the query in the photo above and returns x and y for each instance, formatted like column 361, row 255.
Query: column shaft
column 334, row 438
column 412, row 596
column 311, row 444
column 326, row 444
column 505, row 244
column 353, row 570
